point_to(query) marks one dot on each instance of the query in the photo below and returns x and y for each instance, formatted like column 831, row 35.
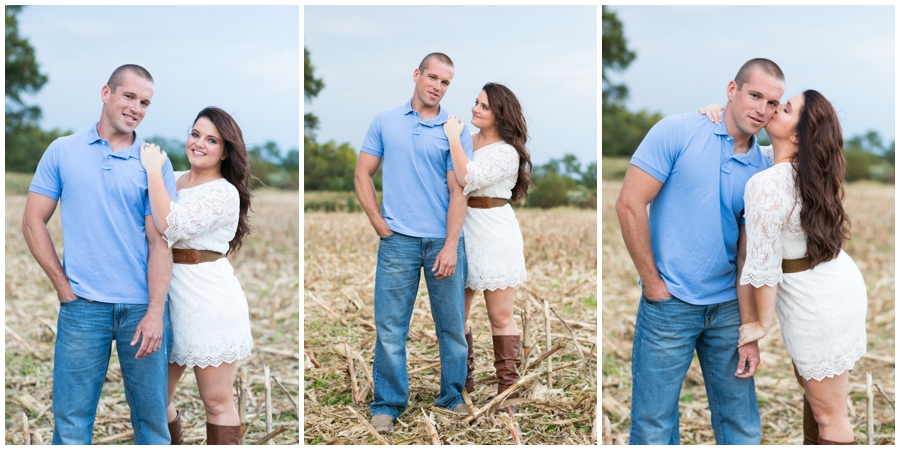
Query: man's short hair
column 763, row 64
column 438, row 56
column 118, row 75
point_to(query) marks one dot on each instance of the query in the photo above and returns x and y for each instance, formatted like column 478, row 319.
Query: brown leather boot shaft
column 810, row 426
column 175, row 430
column 506, row 362
column 223, row 434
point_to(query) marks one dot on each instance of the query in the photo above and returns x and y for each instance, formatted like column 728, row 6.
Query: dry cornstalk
column 353, row 387
column 312, row 360
column 502, row 396
column 870, row 418
column 430, row 366
column 431, row 427
column 278, row 351
column 547, row 330
column 569, row 441
column 574, row 341
column 114, row 437
column 323, row 305
column 468, row 400
column 547, row 354
column 365, row 367
column 267, row 439
column 369, row 427
column 513, row 428
column 25, row 429
column 22, row 341
column 49, row 324
column 268, row 386
column 368, row 325
column 884, row 395
column 607, row 431
column 296, row 409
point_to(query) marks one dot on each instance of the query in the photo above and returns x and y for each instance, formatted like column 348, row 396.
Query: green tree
column 616, row 56
column 25, row 141
column 311, row 88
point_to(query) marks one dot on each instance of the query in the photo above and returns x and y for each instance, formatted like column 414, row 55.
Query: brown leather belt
column 190, row 256
column 794, row 265
column 486, row 202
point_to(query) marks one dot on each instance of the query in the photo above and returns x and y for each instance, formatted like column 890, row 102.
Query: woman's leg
column 216, row 391
column 175, row 373
column 828, row 399
column 810, row 427
column 470, row 297
column 500, row 311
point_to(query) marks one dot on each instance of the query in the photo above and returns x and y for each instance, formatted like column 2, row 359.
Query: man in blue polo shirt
column 115, row 272
column 420, row 226
column 692, row 173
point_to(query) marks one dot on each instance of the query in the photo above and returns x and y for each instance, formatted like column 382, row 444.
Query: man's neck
column 742, row 141
column 425, row 112
column 117, row 141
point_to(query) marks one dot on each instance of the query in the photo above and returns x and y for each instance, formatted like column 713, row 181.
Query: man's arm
column 159, row 274
column 748, row 355
column 638, row 190
column 445, row 264
column 38, row 211
column 366, row 166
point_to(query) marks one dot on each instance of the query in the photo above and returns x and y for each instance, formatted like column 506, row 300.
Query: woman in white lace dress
column 795, row 228
column 208, row 309
column 496, row 260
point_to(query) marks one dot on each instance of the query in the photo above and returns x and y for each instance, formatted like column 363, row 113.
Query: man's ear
column 731, row 89
column 105, row 93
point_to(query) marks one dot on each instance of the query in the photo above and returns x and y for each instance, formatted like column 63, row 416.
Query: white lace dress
column 494, row 249
column 822, row 311
column 207, row 307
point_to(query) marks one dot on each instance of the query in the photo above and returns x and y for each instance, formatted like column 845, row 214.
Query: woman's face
column 784, row 123
column 205, row 147
column 482, row 116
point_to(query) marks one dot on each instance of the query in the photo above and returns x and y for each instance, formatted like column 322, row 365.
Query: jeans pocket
column 657, row 302
column 387, row 237
column 67, row 302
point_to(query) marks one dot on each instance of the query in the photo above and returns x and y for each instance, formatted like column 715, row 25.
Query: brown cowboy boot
column 810, row 426
column 827, row 442
column 175, row 429
column 223, row 434
column 470, row 372
column 506, row 363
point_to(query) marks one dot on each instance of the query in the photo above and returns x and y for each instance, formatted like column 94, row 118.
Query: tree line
column 868, row 157
column 330, row 166
column 26, row 141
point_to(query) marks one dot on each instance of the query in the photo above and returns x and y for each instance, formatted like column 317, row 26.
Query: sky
column 546, row 55
column 686, row 55
column 245, row 60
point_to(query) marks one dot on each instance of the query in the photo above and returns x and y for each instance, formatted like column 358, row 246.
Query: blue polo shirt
column 103, row 201
column 415, row 158
column 694, row 218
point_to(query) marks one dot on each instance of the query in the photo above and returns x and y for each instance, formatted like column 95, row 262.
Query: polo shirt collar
column 93, row 136
column 754, row 155
column 440, row 119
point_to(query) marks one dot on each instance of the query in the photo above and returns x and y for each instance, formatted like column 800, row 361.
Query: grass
column 614, row 168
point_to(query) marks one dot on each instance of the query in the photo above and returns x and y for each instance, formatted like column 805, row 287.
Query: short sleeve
column 659, row 150
column 765, row 215
column 497, row 165
column 46, row 179
column 216, row 206
column 466, row 140
column 373, row 143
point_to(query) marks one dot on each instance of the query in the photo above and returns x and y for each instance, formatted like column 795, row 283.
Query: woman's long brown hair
column 513, row 130
column 819, row 178
column 235, row 167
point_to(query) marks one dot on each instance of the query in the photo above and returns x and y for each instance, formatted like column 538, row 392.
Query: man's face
column 432, row 83
column 124, row 109
column 753, row 106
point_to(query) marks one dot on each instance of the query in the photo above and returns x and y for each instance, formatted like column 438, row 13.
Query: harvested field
column 267, row 267
column 871, row 208
column 340, row 252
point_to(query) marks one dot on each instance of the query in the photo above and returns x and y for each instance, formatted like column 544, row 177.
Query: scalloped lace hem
column 770, row 280
column 494, row 284
column 214, row 360
column 822, row 369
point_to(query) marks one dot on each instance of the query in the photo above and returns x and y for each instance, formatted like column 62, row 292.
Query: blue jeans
column 665, row 337
column 85, row 332
column 400, row 260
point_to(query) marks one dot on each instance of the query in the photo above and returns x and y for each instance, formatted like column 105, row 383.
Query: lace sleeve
column 499, row 164
column 765, row 216
column 216, row 205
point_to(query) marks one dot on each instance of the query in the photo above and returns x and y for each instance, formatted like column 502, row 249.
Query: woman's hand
column 453, row 126
column 152, row 158
column 713, row 112
column 750, row 332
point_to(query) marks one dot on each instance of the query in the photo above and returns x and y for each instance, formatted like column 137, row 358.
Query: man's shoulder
column 396, row 111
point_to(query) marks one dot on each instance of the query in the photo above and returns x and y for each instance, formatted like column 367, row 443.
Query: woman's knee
column 502, row 320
